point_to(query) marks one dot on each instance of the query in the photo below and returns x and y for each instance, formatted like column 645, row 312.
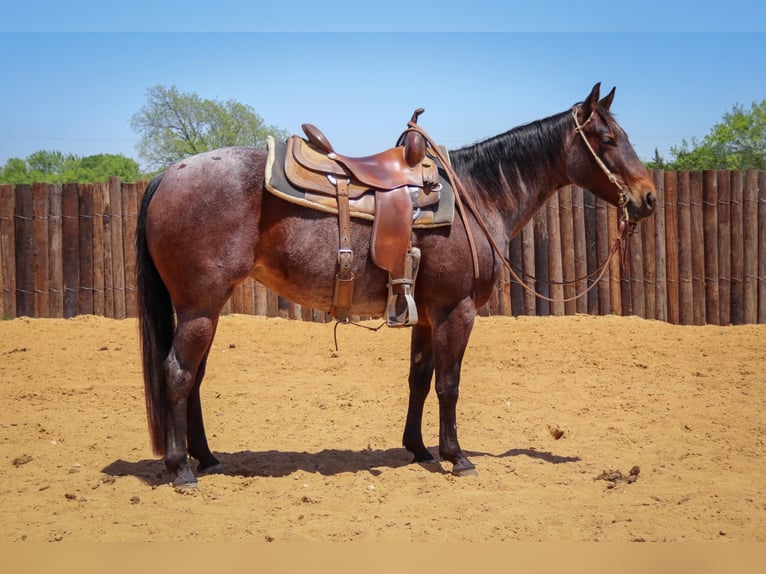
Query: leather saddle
column 401, row 179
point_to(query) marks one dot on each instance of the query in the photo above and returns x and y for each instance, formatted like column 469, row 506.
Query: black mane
column 521, row 157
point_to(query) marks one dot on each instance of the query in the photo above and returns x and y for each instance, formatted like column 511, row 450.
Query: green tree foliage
column 57, row 167
column 737, row 142
column 173, row 125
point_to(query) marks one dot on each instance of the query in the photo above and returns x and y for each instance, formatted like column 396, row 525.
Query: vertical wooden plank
column 697, row 247
column 683, row 247
column 615, row 271
column 649, row 272
column 542, row 307
column 580, row 249
column 710, row 231
column 660, row 249
column 25, row 245
column 261, row 299
column 591, row 250
column 671, row 247
column 555, row 267
column 637, row 302
column 737, row 250
column 750, row 247
column 40, row 213
column 118, row 255
column 528, row 265
column 248, row 298
column 272, row 304
column 568, row 252
column 7, row 252
column 724, row 245
column 70, row 240
column 516, row 292
column 108, row 221
column 99, row 295
column 129, row 217
column 55, row 260
column 603, row 245
column 762, row 246
column 86, row 248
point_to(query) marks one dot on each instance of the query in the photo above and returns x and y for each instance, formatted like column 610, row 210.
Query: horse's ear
column 606, row 101
column 590, row 103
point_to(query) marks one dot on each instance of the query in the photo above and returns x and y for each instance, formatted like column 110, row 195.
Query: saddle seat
column 403, row 178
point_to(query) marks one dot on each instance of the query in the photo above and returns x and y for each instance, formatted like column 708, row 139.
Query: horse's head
column 601, row 159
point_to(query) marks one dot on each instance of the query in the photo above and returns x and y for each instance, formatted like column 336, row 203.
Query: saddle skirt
column 298, row 173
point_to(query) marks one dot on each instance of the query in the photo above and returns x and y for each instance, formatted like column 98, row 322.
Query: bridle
column 624, row 192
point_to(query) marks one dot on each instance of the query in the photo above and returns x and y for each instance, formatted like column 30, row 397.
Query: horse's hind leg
column 195, row 433
column 190, row 345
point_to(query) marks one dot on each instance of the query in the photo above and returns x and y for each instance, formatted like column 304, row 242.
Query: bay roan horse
column 207, row 223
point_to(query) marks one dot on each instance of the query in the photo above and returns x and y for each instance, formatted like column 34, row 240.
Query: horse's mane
column 517, row 159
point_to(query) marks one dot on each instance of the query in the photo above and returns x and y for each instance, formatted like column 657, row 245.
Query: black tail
column 156, row 323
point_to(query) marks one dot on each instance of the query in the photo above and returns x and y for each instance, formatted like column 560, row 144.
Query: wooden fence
column 68, row 250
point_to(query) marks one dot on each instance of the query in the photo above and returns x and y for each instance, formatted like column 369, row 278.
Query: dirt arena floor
column 582, row 429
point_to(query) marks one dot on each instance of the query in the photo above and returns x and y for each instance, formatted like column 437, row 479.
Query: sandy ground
column 555, row 413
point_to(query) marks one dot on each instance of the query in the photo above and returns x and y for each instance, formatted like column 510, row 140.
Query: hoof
column 185, row 479
column 465, row 469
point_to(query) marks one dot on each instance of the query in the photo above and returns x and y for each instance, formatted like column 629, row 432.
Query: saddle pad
column 361, row 206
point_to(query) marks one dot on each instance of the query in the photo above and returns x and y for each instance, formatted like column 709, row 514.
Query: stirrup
column 401, row 315
column 404, row 315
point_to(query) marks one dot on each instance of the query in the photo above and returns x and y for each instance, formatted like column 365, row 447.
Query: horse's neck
column 512, row 175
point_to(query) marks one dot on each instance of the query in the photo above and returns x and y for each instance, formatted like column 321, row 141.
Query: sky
column 75, row 72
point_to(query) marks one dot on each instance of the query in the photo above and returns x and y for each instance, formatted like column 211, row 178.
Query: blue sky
column 77, row 71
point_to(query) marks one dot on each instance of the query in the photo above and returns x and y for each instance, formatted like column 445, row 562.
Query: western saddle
column 402, row 178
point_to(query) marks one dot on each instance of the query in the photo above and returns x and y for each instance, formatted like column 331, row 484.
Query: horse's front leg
column 421, row 372
column 450, row 338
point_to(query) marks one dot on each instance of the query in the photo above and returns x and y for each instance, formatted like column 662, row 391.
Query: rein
column 620, row 244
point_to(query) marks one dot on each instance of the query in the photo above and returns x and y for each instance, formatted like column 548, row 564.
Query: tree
column 57, row 167
column 737, row 142
column 173, row 125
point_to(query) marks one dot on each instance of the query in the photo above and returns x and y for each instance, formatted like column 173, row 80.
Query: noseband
column 624, row 192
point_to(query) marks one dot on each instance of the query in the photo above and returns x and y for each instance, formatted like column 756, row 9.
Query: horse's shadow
column 328, row 462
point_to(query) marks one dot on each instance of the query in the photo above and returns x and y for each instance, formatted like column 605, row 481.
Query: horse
column 207, row 223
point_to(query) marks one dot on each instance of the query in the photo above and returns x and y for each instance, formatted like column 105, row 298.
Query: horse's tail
column 156, row 324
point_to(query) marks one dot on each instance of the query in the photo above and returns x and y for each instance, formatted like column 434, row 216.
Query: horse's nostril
column 650, row 200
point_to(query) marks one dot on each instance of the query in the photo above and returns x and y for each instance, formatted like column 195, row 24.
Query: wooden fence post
column 603, row 245
column 129, row 217
column 528, row 258
column 762, row 247
column 671, row 246
column 542, row 307
column 25, row 249
column 7, row 252
column 697, row 247
column 737, row 250
column 724, row 245
column 86, row 248
column 118, row 255
column 710, row 225
column 40, row 216
column 660, row 245
column 70, row 238
column 569, row 250
column 97, row 224
column 750, row 247
column 56, row 262
column 555, row 269
column 684, row 248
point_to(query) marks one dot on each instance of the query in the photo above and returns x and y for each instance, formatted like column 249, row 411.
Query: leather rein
column 620, row 244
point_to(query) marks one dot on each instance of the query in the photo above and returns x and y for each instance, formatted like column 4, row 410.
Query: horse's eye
column 608, row 140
